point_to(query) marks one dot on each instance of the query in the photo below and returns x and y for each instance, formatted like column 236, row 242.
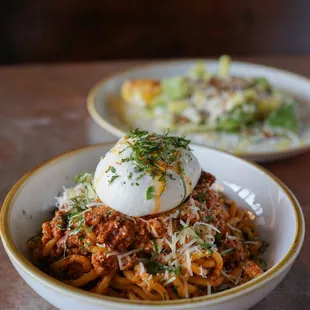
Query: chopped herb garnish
column 156, row 250
column 89, row 229
column 81, row 177
column 141, row 176
column 202, row 197
column 170, row 176
column 209, row 218
column 207, row 245
column 113, row 178
column 61, row 228
column 154, row 267
column 137, row 184
column 217, row 238
column 150, row 192
column 181, row 170
column 262, row 263
column 137, row 169
column 130, row 175
column 155, row 153
column 75, row 231
column 113, row 169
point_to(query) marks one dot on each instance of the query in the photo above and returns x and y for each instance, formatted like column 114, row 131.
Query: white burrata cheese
column 121, row 187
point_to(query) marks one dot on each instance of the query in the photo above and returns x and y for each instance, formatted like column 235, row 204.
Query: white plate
column 107, row 109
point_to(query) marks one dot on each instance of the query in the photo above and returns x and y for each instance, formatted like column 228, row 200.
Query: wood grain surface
column 43, row 113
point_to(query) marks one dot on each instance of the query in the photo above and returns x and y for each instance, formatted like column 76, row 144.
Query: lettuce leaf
column 176, row 88
column 237, row 118
column 285, row 117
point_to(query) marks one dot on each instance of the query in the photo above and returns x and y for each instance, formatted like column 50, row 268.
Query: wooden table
column 42, row 114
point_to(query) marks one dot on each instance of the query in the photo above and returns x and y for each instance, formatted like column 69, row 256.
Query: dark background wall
column 81, row 30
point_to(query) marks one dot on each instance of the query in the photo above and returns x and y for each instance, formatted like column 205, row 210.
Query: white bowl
column 279, row 218
column 107, row 110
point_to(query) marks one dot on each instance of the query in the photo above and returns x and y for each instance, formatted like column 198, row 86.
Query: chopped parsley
column 60, row 227
column 89, row 229
column 156, row 249
column 155, row 154
column 207, row 245
column 209, row 218
column 150, row 193
column 202, row 197
column 262, row 263
column 154, row 267
column 81, row 177
column 181, row 171
column 113, row 178
column 75, row 231
column 217, row 238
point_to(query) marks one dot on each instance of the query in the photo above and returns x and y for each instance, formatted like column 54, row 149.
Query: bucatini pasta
column 205, row 245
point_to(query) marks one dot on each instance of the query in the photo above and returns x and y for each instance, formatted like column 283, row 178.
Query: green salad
column 217, row 102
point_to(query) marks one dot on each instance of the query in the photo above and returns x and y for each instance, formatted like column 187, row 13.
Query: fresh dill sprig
column 81, row 177
column 156, row 154
column 115, row 176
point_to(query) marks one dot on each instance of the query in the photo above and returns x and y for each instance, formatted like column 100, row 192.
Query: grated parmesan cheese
column 169, row 281
column 186, row 246
column 252, row 242
column 231, row 237
column 185, row 287
column 226, row 251
column 188, row 263
column 194, row 210
column 209, row 225
column 121, row 256
column 129, row 253
column 233, row 228
column 101, row 245
column 142, row 269
column 228, row 276
column 176, row 214
column 154, row 231
column 120, row 263
column 94, row 204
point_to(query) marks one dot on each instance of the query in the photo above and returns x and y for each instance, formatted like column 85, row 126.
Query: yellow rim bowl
column 218, row 298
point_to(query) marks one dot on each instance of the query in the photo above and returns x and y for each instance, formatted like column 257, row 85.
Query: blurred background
column 77, row 30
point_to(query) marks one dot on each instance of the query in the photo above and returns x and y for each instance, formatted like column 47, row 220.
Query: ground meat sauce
column 121, row 233
column 103, row 263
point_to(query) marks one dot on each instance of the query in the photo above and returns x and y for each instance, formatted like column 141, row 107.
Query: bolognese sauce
column 205, row 245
